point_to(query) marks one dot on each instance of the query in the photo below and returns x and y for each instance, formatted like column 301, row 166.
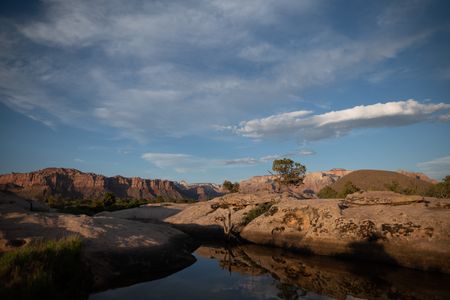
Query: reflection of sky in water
column 206, row 280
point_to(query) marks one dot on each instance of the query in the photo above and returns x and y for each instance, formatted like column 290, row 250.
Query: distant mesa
column 74, row 184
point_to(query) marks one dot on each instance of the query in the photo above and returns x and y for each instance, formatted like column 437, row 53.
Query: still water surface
column 255, row 272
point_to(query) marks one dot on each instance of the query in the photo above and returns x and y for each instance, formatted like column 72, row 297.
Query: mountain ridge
column 70, row 183
column 73, row 183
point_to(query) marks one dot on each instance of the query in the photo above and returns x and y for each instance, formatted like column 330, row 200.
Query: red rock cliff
column 71, row 183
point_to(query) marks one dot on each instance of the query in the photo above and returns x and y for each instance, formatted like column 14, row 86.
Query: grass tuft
column 256, row 212
column 50, row 269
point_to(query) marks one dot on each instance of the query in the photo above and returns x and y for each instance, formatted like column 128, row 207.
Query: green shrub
column 327, row 193
column 91, row 207
column 109, row 199
column 441, row 189
column 349, row 188
column 256, row 212
column 45, row 270
column 394, row 186
column 231, row 187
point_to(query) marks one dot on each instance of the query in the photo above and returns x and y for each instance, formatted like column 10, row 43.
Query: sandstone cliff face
column 71, row 183
column 406, row 230
column 204, row 191
column 312, row 183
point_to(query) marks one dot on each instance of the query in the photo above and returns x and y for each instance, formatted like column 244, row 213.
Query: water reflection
column 255, row 272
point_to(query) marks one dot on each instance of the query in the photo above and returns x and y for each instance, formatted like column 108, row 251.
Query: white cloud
column 306, row 152
column 242, row 161
column 444, row 118
column 437, row 168
column 183, row 163
column 149, row 69
column 163, row 160
column 338, row 123
column 270, row 125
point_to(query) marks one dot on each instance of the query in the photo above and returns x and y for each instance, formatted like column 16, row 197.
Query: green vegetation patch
column 108, row 203
column 230, row 187
column 45, row 270
column 441, row 189
column 328, row 192
column 256, row 212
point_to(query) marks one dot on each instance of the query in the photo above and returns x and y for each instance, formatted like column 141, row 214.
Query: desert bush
column 256, row 212
column 109, row 199
column 327, row 193
column 231, row 187
column 349, row 188
column 394, row 186
column 441, row 189
column 91, row 207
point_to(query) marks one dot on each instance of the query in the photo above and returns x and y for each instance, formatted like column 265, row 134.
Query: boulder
column 397, row 229
column 114, row 249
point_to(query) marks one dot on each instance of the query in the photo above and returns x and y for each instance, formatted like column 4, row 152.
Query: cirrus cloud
column 148, row 69
column 182, row 163
column 437, row 168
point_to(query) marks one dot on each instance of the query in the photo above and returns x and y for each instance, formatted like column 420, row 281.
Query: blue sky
column 212, row 90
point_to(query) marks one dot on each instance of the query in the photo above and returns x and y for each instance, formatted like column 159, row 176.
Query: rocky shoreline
column 115, row 250
column 148, row 242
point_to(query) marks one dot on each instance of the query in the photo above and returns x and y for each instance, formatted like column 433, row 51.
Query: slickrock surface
column 113, row 248
column 405, row 230
column 148, row 212
column 71, row 183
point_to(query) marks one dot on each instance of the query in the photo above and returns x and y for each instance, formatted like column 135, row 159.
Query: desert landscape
column 237, row 149
column 376, row 216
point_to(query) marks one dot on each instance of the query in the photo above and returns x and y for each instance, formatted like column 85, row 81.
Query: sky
column 205, row 91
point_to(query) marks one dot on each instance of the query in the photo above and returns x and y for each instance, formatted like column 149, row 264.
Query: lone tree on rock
column 288, row 172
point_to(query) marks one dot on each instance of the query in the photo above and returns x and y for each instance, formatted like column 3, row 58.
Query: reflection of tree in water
column 228, row 259
column 289, row 291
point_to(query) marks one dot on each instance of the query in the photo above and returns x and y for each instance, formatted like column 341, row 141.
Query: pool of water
column 255, row 272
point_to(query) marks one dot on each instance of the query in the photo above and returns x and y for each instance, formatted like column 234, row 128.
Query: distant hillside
column 74, row 184
column 377, row 180
column 418, row 175
column 312, row 183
